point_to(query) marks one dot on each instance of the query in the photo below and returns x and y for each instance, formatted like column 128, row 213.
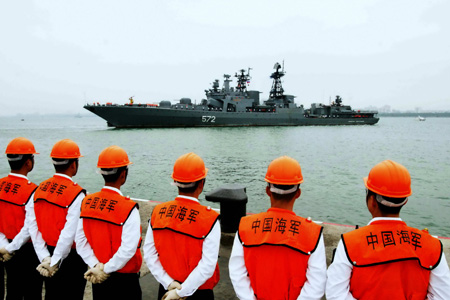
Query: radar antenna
column 277, row 89
column 215, row 88
column 242, row 80
column 338, row 100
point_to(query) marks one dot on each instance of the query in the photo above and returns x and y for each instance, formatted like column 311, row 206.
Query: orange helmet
column 189, row 168
column 20, row 145
column 113, row 157
column 65, row 149
column 285, row 171
column 389, row 179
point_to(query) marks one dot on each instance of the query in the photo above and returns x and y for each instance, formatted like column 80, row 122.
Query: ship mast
column 242, row 80
column 226, row 83
column 277, row 89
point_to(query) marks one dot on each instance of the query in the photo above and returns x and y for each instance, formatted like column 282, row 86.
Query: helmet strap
column 183, row 185
column 59, row 163
column 107, row 172
column 278, row 191
column 383, row 201
column 19, row 157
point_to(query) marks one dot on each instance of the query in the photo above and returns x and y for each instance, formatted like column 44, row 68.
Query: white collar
column 384, row 219
column 113, row 189
column 19, row 175
column 64, row 175
column 188, row 197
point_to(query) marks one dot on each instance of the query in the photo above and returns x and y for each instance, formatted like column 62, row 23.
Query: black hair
column 284, row 197
column 387, row 209
column 115, row 176
column 64, row 167
column 18, row 164
column 190, row 190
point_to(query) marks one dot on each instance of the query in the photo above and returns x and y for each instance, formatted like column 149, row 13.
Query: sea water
column 334, row 160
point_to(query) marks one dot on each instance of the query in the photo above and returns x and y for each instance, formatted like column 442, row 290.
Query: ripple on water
column 334, row 160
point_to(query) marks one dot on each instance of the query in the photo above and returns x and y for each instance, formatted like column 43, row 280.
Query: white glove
column 54, row 269
column 171, row 295
column 174, row 285
column 5, row 255
column 44, row 267
column 96, row 274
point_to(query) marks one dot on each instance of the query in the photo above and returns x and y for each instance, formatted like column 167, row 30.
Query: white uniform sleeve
column 67, row 235
column 339, row 274
column 238, row 272
column 39, row 244
column 23, row 236
column 131, row 234
column 207, row 264
column 316, row 274
column 439, row 287
column 152, row 259
column 3, row 240
column 84, row 249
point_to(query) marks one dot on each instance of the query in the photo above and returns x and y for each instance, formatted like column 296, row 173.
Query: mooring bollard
column 233, row 205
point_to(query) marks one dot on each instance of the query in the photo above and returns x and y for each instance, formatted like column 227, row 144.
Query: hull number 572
column 208, row 119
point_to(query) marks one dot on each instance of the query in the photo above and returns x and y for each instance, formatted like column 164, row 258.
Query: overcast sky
column 57, row 55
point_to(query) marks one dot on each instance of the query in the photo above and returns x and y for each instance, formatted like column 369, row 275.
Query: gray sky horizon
column 58, row 55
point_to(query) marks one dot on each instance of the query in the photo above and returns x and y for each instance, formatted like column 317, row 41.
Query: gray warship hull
column 142, row 116
column 232, row 106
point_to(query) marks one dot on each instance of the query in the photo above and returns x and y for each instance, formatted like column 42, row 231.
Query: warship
column 232, row 106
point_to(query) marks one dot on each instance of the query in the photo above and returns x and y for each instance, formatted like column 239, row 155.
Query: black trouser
column 2, row 280
column 68, row 282
column 23, row 281
column 198, row 295
column 118, row 286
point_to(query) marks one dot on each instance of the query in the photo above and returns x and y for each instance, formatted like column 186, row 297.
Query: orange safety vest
column 277, row 245
column 52, row 200
column 104, row 214
column 179, row 229
column 15, row 192
column 391, row 260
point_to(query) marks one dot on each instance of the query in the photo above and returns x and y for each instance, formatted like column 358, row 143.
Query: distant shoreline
column 424, row 114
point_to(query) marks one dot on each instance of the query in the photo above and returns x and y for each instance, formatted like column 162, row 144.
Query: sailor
column 277, row 254
column 182, row 244
column 109, row 234
column 17, row 255
column 53, row 224
column 388, row 259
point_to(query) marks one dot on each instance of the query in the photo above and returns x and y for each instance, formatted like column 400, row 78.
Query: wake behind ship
column 232, row 106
